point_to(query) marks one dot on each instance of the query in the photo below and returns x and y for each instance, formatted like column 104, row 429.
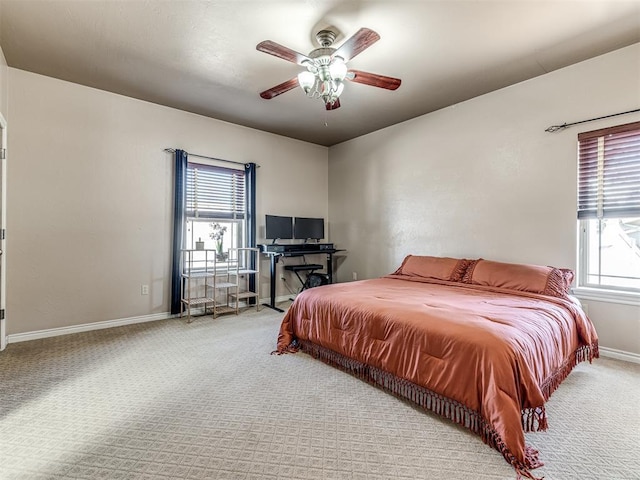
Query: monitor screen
column 308, row 228
column 278, row 227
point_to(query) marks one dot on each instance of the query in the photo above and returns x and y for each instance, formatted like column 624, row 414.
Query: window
column 609, row 208
column 215, row 210
column 204, row 195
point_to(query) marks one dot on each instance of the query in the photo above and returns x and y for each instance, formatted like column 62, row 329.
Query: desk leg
column 273, row 259
column 330, row 267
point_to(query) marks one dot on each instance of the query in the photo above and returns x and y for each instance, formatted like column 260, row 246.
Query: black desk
column 276, row 251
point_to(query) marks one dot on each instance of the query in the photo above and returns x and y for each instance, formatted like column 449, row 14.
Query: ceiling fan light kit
column 326, row 67
column 323, row 78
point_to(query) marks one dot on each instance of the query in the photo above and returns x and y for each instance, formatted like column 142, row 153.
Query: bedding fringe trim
column 582, row 354
column 535, row 419
column 532, row 418
column 428, row 400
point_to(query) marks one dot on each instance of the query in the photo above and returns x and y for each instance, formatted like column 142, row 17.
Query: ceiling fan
column 326, row 67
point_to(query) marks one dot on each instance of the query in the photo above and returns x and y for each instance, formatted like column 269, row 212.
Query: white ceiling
column 200, row 56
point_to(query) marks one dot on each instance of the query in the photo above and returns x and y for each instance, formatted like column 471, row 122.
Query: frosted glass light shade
column 338, row 69
column 306, row 80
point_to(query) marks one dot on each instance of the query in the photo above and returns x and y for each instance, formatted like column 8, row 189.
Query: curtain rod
column 173, row 150
column 555, row 128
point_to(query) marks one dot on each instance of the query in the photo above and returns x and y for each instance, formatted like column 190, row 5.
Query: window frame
column 584, row 289
column 240, row 235
column 181, row 158
column 590, row 291
column 229, row 213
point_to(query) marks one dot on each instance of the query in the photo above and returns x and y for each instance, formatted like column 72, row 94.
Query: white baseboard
column 619, row 355
column 86, row 327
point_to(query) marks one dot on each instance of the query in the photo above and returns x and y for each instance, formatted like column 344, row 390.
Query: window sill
column 609, row 296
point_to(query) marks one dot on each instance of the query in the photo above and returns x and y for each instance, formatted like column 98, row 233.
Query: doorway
column 3, row 225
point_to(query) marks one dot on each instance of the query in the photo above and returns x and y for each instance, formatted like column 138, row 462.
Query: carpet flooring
column 205, row 400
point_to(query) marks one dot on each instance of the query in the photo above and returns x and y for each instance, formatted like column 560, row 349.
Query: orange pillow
column 521, row 277
column 439, row 268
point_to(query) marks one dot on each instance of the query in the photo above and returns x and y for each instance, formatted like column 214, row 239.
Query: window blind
column 609, row 172
column 215, row 192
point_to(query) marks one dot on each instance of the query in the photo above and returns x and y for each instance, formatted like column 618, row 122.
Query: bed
column 481, row 343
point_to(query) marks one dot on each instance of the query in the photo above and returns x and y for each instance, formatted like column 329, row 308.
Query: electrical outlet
column 144, row 289
column 354, row 275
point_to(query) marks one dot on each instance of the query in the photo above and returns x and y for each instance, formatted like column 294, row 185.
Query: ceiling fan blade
column 332, row 106
column 280, row 89
column 361, row 40
column 373, row 79
column 280, row 51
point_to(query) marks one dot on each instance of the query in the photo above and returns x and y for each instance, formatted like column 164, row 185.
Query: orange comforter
column 495, row 354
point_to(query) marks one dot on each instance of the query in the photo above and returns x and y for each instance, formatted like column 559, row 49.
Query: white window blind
column 215, row 192
column 609, row 172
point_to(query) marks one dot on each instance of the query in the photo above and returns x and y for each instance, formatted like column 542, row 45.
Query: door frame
column 3, row 226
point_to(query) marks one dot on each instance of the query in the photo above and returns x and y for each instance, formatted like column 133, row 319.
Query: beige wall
column 90, row 189
column 483, row 179
column 90, row 198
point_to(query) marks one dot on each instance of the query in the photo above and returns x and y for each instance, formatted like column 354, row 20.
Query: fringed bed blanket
column 486, row 358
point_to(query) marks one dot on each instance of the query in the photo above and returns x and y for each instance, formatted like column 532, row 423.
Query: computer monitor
column 278, row 227
column 308, row 228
